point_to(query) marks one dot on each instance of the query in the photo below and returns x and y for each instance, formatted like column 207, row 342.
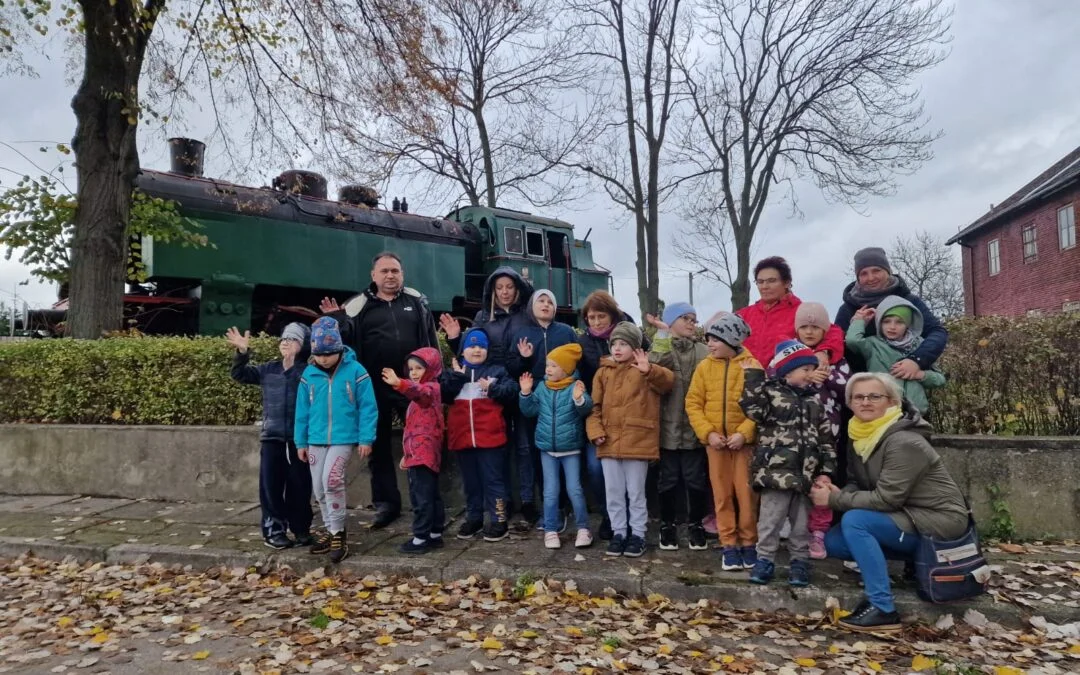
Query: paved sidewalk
column 1036, row 580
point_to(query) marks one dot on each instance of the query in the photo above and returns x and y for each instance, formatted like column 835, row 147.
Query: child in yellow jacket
column 712, row 404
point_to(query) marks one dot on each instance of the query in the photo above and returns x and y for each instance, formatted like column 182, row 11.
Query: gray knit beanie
column 628, row 333
column 296, row 331
column 871, row 257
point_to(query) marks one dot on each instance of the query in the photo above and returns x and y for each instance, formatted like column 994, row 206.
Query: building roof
column 1061, row 174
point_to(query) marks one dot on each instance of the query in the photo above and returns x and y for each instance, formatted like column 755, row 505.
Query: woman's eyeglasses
column 872, row 398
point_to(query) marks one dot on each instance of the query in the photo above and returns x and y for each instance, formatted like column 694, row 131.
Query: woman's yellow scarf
column 865, row 435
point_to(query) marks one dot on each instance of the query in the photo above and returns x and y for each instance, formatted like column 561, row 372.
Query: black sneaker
column 616, row 546
column 278, row 541
column 669, row 537
column 303, row 540
column 496, row 532
column 528, row 517
column 696, row 534
column 470, row 528
column 635, row 547
column 339, row 547
column 799, row 573
column 384, row 518
column 605, row 533
column 410, row 546
column 870, row 619
column 321, row 543
column 436, row 542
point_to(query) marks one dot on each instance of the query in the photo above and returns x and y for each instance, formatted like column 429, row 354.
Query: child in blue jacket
column 284, row 480
column 335, row 411
column 561, row 405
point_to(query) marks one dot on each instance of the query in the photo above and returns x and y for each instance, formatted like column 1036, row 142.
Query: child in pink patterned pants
column 818, row 523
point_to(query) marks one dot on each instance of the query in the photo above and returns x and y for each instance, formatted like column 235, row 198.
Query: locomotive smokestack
column 305, row 183
column 186, row 156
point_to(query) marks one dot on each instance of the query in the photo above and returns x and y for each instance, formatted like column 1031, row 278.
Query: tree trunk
column 485, row 149
column 106, row 160
column 740, row 289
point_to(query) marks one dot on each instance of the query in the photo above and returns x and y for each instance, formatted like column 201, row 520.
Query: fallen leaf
column 491, row 643
column 806, row 663
column 874, row 666
column 383, row 640
column 1012, row 548
column 921, row 663
column 1007, row 670
column 64, row 621
column 199, row 656
column 529, row 634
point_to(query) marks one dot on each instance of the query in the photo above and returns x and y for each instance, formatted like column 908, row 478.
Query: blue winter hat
column 475, row 337
column 326, row 337
column 676, row 309
column 792, row 354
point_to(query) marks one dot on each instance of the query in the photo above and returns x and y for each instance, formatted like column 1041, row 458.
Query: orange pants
column 729, row 473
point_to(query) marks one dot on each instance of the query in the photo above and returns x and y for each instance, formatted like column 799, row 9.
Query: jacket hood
column 911, row 420
column 528, row 307
column 900, row 289
column 432, row 359
column 893, row 301
column 347, row 355
column 524, row 289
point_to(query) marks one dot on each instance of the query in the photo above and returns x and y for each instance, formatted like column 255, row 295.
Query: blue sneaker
column 616, row 546
column 731, row 559
column 763, row 572
column 799, row 573
column 749, row 556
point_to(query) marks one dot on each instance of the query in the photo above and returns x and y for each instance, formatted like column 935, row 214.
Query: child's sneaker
column 749, row 556
column 817, row 545
column 339, row 547
column 303, row 540
column 411, row 546
column 635, row 546
column 799, row 573
column 278, row 541
column 696, row 534
column 669, row 537
column 731, row 559
column 321, row 543
column 470, row 528
column 584, row 538
column 616, row 546
column 436, row 541
column 852, row 566
column 551, row 540
column 496, row 532
column 763, row 572
column 528, row 517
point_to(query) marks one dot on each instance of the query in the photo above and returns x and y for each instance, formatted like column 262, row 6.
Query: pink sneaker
column 817, row 545
column 709, row 523
column 584, row 538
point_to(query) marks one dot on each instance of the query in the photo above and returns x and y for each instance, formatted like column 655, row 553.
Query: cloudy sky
column 1006, row 99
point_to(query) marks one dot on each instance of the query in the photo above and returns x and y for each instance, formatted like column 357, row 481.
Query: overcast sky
column 1006, row 99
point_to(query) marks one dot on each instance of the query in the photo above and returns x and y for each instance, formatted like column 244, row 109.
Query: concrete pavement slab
column 86, row 506
column 22, row 503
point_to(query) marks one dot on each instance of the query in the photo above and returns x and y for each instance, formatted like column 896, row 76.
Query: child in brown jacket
column 624, row 426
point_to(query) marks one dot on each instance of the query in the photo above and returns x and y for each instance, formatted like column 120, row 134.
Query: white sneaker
column 584, row 538
column 852, row 566
column 551, row 540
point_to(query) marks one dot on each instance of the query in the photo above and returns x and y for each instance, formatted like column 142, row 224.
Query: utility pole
column 700, row 271
column 15, row 303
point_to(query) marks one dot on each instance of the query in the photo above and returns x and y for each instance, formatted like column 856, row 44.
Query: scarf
column 603, row 334
column 556, row 385
column 865, row 296
column 905, row 344
column 865, row 435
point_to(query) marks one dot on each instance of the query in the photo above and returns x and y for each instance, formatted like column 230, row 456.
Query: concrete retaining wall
column 1039, row 477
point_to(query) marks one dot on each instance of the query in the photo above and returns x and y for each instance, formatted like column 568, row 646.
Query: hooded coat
column 879, row 356
column 626, row 410
column 934, row 335
column 475, row 418
column 422, row 442
column 337, row 407
column 543, row 340
column 595, row 348
column 712, row 401
column 502, row 325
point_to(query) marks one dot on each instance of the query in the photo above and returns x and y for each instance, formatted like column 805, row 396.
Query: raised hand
column 390, row 377
column 865, row 313
column 458, row 368
column 526, row 383
column 656, row 323
column 237, row 340
column 579, row 390
column 450, row 326
column 641, row 361
column 328, row 306
column 525, row 348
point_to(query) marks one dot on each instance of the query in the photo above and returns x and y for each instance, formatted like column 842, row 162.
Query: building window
column 512, row 237
column 1031, row 245
column 993, row 255
column 1066, row 227
column 534, row 243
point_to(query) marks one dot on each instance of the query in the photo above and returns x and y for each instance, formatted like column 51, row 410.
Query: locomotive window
column 512, row 235
column 534, row 241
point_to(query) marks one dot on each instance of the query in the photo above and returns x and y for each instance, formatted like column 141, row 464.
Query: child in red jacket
column 422, row 444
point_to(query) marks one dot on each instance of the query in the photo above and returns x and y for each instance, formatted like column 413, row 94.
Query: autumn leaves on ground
column 72, row 617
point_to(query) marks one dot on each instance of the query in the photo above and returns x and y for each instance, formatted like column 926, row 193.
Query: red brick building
column 1021, row 256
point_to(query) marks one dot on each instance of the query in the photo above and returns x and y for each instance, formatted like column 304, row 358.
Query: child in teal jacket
column 899, row 327
column 561, row 405
column 335, row 412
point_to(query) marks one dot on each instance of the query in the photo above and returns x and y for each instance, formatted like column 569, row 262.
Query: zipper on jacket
column 472, row 418
column 330, row 408
column 553, row 448
column 723, row 414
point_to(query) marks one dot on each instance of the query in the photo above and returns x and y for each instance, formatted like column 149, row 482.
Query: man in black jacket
column 383, row 325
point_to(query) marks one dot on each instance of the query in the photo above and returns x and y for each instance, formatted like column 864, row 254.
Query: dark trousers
column 429, row 515
column 384, row 489
column 482, row 475
column 284, row 490
column 679, row 468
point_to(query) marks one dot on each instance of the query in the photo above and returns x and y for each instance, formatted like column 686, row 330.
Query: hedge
column 1006, row 376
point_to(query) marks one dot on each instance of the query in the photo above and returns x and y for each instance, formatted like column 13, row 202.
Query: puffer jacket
column 626, row 410
column 681, row 356
column 475, row 419
column 425, row 427
column 543, row 340
column 771, row 326
column 712, row 401
column 501, row 325
column 595, row 348
column 905, row 478
column 279, row 387
column 795, row 441
column 560, row 425
column 336, row 408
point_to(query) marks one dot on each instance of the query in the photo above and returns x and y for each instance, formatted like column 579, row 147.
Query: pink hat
column 812, row 314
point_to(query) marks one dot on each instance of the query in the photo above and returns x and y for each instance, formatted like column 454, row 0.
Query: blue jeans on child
column 868, row 538
column 429, row 516
column 482, row 475
column 571, row 469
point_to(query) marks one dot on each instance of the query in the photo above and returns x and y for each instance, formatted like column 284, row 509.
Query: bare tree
column 638, row 44
column 818, row 90
column 494, row 122
column 931, row 270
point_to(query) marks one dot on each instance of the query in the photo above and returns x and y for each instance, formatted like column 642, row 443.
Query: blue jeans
column 868, row 538
column 595, row 471
column 571, row 468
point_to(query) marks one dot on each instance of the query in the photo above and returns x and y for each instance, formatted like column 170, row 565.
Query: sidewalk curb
column 731, row 593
